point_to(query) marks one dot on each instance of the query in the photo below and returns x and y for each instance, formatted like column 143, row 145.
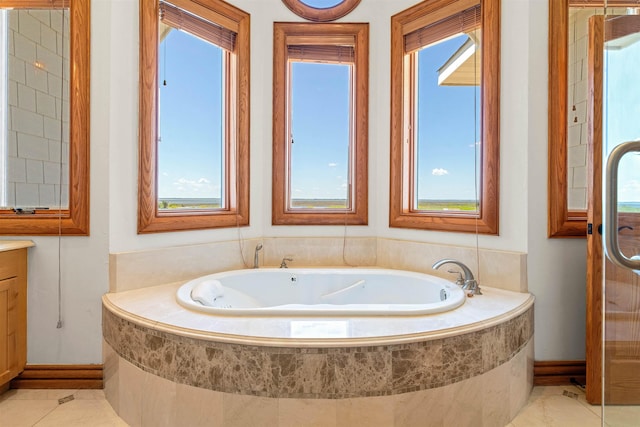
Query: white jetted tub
column 320, row 292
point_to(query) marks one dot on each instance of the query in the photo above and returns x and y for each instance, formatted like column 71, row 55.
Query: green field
column 446, row 205
column 319, row 203
column 168, row 204
column 423, row 205
column 629, row 207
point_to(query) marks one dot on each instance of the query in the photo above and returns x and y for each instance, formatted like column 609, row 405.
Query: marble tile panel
column 131, row 380
column 421, row 408
column 159, row 402
column 495, row 348
column 307, row 412
column 555, row 411
column 89, row 394
column 316, row 372
column 503, row 270
column 247, row 372
column 495, row 396
column 110, row 375
column 499, row 269
column 197, row 407
column 135, row 270
column 39, row 394
column 365, row 411
column 417, row 365
column 320, row 251
column 370, row 371
column 461, row 357
column 82, row 413
column 305, row 374
column 465, row 399
column 249, row 411
column 25, row 413
column 519, row 388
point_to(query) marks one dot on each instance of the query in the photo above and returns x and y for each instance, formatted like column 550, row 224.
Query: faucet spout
column 469, row 283
column 256, row 259
column 283, row 264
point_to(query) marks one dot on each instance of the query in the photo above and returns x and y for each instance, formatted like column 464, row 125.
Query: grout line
column 45, row 415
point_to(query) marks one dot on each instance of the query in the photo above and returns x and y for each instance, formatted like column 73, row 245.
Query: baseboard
column 559, row 372
column 60, row 377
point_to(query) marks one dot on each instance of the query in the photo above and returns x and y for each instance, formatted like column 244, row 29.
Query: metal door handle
column 610, row 237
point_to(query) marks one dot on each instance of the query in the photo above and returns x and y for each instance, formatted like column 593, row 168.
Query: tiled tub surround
column 453, row 368
column 135, row 270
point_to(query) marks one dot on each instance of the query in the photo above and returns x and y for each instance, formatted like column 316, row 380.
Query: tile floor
column 548, row 406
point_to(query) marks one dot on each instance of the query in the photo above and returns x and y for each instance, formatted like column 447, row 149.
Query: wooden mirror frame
column 321, row 15
column 75, row 219
column 563, row 222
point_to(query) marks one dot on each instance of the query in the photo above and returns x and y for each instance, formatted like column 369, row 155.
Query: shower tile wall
column 36, row 143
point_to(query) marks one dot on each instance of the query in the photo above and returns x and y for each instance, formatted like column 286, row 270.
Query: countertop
column 11, row 245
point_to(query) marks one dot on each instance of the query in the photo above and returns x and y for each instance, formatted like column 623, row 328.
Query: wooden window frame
column 236, row 213
column 286, row 34
column 321, row 14
column 73, row 221
column 563, row 222
column 401, row 213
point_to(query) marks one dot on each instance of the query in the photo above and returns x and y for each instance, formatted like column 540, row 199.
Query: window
column 44, row 146
column 320, row 124
column 321, row 10
column 194, row 116
column 444, row 116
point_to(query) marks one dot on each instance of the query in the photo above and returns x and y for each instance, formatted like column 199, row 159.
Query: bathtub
column 172, row 361
column 320, row 292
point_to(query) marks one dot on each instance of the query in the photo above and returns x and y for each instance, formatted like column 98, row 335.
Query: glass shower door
column 621, row 218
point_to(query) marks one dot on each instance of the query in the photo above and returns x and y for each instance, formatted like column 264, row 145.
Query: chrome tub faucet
column 468, row 283
column 283, row 264
column 256, row 259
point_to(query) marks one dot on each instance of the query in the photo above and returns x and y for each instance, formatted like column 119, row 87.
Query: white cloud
column 333, row 165
column 439, row 172
column 630, row 191
column 194, row 188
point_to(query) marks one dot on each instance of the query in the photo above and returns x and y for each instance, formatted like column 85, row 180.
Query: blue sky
column 447, row 133
column 322, row 4
column 190, row 116
column 622, row 117
column 320, row 127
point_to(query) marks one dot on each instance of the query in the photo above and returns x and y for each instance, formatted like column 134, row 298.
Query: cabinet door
column 9, row 327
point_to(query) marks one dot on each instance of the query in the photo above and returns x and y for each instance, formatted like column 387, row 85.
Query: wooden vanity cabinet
column 13, row 314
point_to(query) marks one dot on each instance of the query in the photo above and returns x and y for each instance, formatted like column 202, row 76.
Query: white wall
column 84, row 260
column 555, row 267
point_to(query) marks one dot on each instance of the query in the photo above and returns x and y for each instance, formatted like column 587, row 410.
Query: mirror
column 44, row 123
column 568, row 95
column 321, row 10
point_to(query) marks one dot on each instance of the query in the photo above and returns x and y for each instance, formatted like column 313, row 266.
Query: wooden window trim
column 286, row 34
column 563, row 222
column 150, row 220
column 73, row 221
column 400, row 214
column 321, row 14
